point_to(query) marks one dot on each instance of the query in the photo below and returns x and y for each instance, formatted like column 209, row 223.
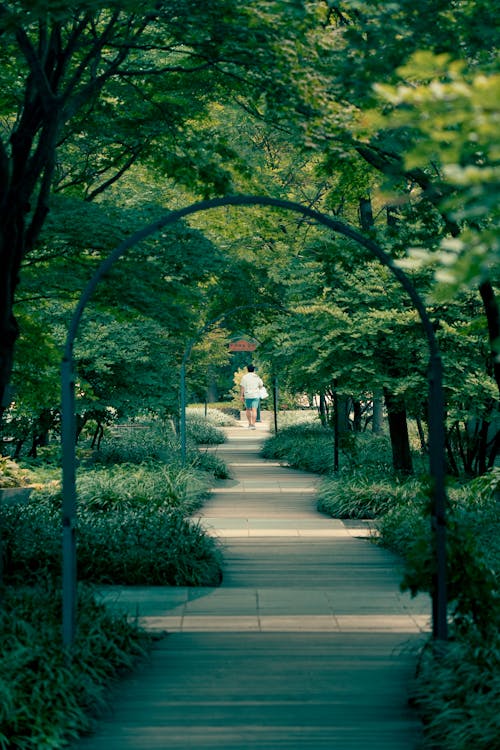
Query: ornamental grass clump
column 132, row 528
column 209, row 462
column 309, row 446
column 457, row 693
column 153, row 485
column 47, row 700
column 137, row 547
column 202, row 431
column 137, row 443
column 304, row 446
column 359, row 494
column 215, row 416
column 473, row 552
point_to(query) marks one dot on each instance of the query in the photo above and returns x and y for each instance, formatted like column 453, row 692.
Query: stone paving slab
column 264, row 691
column 267, row 609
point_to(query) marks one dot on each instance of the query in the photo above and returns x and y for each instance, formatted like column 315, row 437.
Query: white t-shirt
column 250, row 382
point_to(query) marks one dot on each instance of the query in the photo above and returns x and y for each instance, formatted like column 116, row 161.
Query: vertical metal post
column 335, row 428
column 275, row 403
column 183, row 409
column 68, row 436
column 438, row 473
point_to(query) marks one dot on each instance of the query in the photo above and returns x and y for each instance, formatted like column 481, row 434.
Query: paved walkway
column 307, row 645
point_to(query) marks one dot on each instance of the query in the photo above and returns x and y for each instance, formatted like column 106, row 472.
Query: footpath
column 308, row 644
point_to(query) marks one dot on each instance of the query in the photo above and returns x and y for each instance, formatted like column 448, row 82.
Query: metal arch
column 436, row 401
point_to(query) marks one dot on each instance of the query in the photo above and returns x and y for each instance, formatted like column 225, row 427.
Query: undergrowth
column 46, row 699
column 303, row 446
column 310, row 446
column 457, row 692
column 132, row 528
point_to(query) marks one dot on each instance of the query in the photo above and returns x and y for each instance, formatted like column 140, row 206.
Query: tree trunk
column 323, row 415
column 365, row 214
column 98, row 436
column 343, row 412
column 493, row 319
column 378, row 413
column 398, row 431
column 10, row 261
column 421, row 434
column 356, row 405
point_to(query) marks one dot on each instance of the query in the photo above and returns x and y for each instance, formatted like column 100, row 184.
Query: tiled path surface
column 307, row 645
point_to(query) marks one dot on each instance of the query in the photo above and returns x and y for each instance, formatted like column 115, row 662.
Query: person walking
column 250, row 385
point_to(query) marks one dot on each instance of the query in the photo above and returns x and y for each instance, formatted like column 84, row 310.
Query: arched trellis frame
column 435, row 401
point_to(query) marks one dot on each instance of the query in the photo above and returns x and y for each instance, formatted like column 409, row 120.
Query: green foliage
column 219, row 416
column 360, row 494
column 46, row 699
column 131, row 529
column 306, row 446
column 144, row 546
column 457, row 693
column 210, row 462
column 136, row 443
column 12, row 475
column 292, row 418
column 473, row 552
column 407, row 524
column 155, row 443
column 203, row 431
column 148, row 485
column 452, row 112
column 366, row 451
column 310, row 446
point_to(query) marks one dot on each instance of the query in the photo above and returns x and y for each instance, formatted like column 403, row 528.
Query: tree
column 428, row 129
column 135, row 327
column 68, row 72
column 453, row 117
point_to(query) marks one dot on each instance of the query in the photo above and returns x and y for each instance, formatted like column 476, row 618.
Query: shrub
column 457, row 692
column 140, row 547
column 405, row 523
column 210, row 462
column 203, row 432
column 473, row 558
column 288, row 419
column 138, row 443
column 223, row 416
column 304, row 446
column 359, row 494
column 152, row 485
column 47, row 700
column 156, row 444
column 362, row 450
column 309, row 446
column 131, row 529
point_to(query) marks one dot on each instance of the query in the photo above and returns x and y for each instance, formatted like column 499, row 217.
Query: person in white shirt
column 249, row 391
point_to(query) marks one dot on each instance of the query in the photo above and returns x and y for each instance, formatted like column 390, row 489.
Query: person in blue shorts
column 249, row 392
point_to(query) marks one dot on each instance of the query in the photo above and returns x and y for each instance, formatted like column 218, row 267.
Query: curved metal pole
column 436, row 409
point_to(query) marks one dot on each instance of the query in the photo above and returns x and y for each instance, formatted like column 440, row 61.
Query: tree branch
column 111, row 180
column 43, row 87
